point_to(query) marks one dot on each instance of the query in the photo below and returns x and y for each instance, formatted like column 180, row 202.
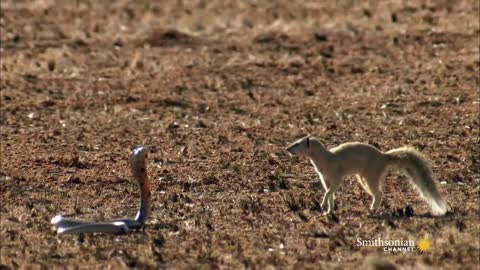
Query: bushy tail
column 416, row 167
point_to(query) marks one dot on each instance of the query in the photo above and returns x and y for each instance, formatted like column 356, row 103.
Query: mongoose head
column 304, row 147
column 300, row 147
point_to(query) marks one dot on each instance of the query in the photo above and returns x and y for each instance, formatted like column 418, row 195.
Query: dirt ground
column 217, row 89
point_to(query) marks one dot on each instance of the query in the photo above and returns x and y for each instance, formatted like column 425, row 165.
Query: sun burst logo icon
column 423, row 245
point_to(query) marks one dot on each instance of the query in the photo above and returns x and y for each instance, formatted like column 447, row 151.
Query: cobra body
column 139, row 172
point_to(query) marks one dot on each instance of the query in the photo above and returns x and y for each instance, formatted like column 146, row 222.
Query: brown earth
column 218, row 89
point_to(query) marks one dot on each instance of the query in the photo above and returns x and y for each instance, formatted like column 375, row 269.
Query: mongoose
column 368, row 164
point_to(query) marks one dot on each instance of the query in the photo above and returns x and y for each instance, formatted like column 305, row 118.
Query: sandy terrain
column 218, row 89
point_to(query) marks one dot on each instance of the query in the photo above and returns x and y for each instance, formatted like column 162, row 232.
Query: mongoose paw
column 331, row 216
column 324, row 205
column 328, row 213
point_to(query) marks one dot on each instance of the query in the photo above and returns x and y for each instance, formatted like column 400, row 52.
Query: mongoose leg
column 326, row 186
column 328, row 199
column 363, row 183
column 373, row 178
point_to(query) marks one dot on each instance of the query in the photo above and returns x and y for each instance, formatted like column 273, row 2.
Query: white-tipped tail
column 416, row 167
column 439, row 207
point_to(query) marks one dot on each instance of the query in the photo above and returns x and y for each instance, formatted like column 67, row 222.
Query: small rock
column 460, row 225
column 408, row 211
column 390, row 223
column 367, row 12
column 320, row 37
column 51, row 65
column 394, row 18
column 322, row 234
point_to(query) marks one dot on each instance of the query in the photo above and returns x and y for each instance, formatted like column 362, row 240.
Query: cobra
column 139, row 172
